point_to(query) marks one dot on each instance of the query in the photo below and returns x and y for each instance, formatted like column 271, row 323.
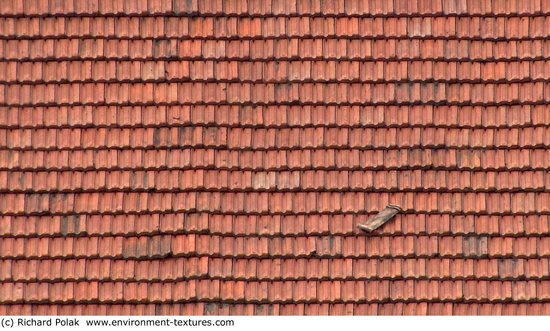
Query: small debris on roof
column 383, row 216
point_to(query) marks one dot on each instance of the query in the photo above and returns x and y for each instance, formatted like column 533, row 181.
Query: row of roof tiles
column 162, row 246
column 273, row 138
column 273, row 202
column 269, row 93
column 270, row 49
column 343, row 159
column 251, row 269
column 275, row 116
column 276, row 291
column 270, row 225
column 286, row 7
column 345, row 180
column 270, row 27
column 204, row 308
column 280, row 71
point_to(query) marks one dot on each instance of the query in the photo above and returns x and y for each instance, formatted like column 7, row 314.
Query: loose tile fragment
column 382, row 217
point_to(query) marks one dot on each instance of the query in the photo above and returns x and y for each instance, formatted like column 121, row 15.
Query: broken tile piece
column 382, row 217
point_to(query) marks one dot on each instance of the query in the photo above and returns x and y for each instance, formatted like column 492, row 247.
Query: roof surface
column 215, row 157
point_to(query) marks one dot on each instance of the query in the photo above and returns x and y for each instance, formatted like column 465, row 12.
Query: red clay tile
column 462, row 269
column 13, row 291
column 486, row 268
column 35, row 292
column 500, row 246
column 450, row 246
